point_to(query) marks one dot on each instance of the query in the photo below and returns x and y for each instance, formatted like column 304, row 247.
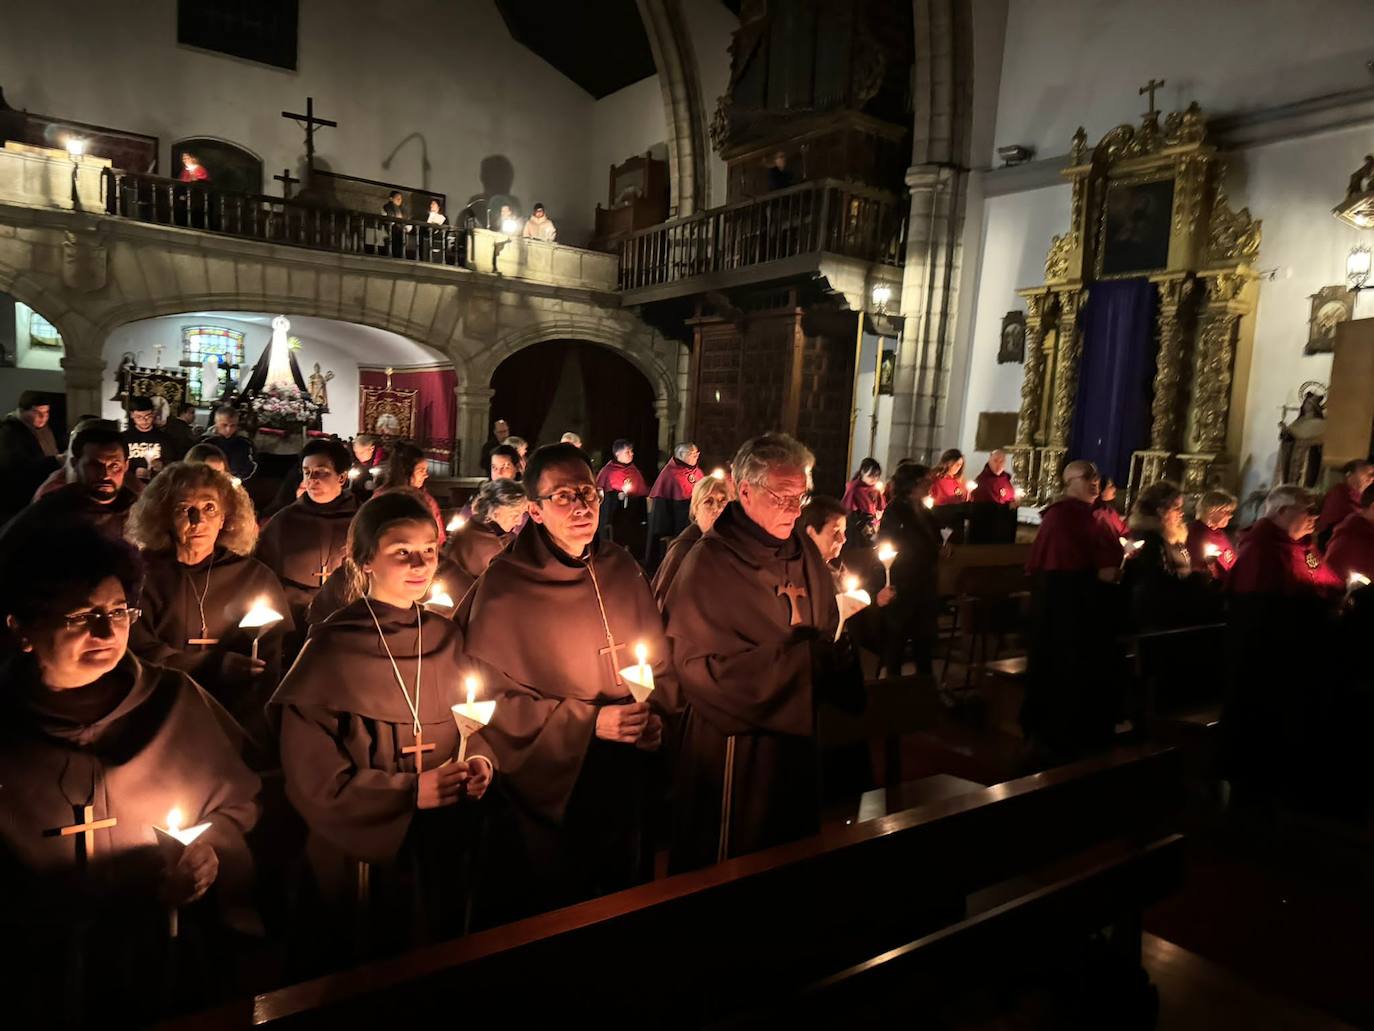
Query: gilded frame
column 1133, row 182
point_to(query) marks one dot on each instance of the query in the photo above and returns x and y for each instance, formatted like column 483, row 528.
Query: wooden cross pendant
column 87, row 828
column 418, row 748
column 792, row 592
column 323, row 574
column 609, row 651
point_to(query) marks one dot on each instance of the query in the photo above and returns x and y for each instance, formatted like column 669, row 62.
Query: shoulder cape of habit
column 473, row 547
column 344, row 667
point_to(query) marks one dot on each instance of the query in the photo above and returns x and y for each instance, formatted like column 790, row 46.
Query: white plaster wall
column 338, row 347
column 1080, row 62
column 447, row 71
column 625, row 124
column 710, row 25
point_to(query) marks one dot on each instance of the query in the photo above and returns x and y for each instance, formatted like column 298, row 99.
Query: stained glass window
column 43, row 333
column 201, row 342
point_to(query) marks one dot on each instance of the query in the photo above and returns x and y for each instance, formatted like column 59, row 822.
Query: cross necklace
column 86, row 825
column 419, row 748
column 611, row 647
column 204, row 639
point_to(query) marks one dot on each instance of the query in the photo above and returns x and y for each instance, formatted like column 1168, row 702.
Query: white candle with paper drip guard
column 354, row 473
column 471, row 716
column 945, row 534
column 887, row 554
column 1128, row 549
column 854, row 600
column 1210, row 551
column 1354, row 582
column 928, row 501
column 639, row 678
column 439, row 598
column 455, row 524
column 172, row 841
column 259, row 618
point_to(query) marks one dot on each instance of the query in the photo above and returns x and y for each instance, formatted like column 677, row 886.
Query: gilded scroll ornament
column 1169, row 368
column 1032, row 380
column 1057, row 260
column 1066, row 370
column 1232, row 236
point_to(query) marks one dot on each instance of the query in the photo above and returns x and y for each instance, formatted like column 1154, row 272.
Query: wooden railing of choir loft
column 201, row 206
column 825, row 215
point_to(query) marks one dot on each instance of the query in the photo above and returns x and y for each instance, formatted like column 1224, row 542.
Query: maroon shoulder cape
column 1352, row 548
column 994, row 487
column 1270, row 562
column 860, row 497
column 949, row 490
column 534, row 625
column 614, row 476
column 676, row 481
column 1072, row 539
column 304, row 540
column 1201, row 538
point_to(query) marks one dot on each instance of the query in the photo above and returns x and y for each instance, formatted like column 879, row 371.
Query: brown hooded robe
column 304, row 540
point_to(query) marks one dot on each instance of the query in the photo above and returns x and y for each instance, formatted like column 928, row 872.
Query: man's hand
column 624, row 724
column 240, row 668
column 479, row 776
column 885, row 596
column 652, row 737
column 192, row 875
column 441, row 786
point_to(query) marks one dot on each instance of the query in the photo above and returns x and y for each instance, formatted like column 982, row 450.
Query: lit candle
column 1211, row 551
column 259, row 618
column 945, row 534
column 1019, row 493
column 640, row 677
column 626, row 487
column 438, row 597
column 354, row 473
column 854, row 599
column 376, row 470
column 471, row 716
column 928, row 501
column 172, row 841
column 236, row 482
column 972, row 485
column 887, row 554
column 878, row 486
column 718, row 474
column 1354, row 581
column 455, row 524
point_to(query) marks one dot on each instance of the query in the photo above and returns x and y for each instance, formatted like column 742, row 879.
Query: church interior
column 1024, row 341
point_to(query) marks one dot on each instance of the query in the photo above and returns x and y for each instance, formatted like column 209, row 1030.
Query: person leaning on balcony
column 539, row 226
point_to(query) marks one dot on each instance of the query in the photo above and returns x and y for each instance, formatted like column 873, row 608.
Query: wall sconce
column 76, row 147
column 1357, row 268
column 882, row 293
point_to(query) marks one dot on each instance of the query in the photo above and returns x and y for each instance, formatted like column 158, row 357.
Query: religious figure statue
column 319, row 390
column 1300, row 441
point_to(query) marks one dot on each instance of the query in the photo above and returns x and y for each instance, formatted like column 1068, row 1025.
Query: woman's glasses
column 96, row 619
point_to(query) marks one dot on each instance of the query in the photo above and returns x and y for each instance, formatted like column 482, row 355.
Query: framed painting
column 1136, row 226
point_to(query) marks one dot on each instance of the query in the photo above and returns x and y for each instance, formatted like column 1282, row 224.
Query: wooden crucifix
column 286, row 179
column 309, row 121
column 1150, row 88
column 87, row 827
column 418, row 749
column 323, row 574
column 610, row 652
column 794, row 593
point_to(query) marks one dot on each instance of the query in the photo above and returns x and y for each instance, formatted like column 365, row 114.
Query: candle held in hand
column 471, row 716
column 354, row 473
column 639, row 678
column 928, row 501
column 439, row 597
column 259, row 618
column 455, row 524
column 1357, row 580
column 972, row 485
column 887, row 554
column 717, row 474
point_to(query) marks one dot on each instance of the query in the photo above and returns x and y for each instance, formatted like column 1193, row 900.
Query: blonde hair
column 150, row 519
column 707, row 486
column 1213, row 502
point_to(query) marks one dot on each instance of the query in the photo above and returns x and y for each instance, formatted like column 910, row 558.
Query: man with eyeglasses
column 553, row 623
column 97, row 497
column 752, row 619
column 305, row 542
column 1070, row 705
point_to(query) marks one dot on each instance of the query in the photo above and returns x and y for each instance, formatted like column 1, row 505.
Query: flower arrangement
column 283, row 407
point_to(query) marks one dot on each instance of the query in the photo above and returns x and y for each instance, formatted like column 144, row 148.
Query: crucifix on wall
column 309, row 121
column 1151, row 87
column 286, row 179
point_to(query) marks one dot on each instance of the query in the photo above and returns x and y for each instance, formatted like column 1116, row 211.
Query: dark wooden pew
column 751, row 932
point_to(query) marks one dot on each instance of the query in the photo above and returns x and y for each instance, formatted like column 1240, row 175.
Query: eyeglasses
column 566, row 497
column 788, row 502
column 94, row 620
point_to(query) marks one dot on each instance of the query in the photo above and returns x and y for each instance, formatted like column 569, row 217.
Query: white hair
column 570, row 438
column 683, row 450
column 761, row 455
column 1284, row 496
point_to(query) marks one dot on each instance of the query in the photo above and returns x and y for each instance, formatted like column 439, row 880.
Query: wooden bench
column 756, row 930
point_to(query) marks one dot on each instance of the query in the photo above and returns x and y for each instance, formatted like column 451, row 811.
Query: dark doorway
column 550, row 388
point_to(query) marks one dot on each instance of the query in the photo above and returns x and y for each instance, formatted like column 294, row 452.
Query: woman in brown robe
column 96, row 749
column 709, row 498
column 496, row 511
column 388, row 825
column 197, row 533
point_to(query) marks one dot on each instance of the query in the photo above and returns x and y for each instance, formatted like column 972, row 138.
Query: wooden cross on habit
column 86, row 828
column 417, row 748
column 286, row 179
column 793, row 593
column 1150, row 88
column 323, row 574
column 309, row 121
column 609, row 651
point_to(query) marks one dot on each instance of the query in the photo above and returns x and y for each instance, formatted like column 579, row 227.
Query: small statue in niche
column 319, row 390
column 1299, row 457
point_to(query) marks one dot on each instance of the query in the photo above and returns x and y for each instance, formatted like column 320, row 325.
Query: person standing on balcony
column 539, row 226
column 780, row 177
column 395, row 208
column 192, row 171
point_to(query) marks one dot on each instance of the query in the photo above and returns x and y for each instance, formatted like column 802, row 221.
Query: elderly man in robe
column 1070, row 705
column 752, row 619
column 994, row 482
column 671, row 499
column 553, row 622
column 97, row 497
column 1343, row 498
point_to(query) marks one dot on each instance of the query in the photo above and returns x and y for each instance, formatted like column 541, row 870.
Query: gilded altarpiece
column 1199, row 262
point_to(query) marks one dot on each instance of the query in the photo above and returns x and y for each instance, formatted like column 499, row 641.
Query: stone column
column 1067, row 355
column 86, row 387
column 474, row 415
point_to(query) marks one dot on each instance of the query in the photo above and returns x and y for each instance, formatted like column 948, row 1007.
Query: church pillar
column 666, row 428
column 671, row 45
column 1033, row 377
column 1067, row 356
column 474, row 414
column 85, row 384
column 1164, row 410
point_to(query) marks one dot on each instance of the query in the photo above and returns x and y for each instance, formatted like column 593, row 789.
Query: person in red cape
column 864, row 493
column 1106, row 512
column 1343, row 499
column 671, row 500
column 1274, row 560
column 192, row 171
column 1209, row 547
column 994, row 482
column 948, row 487
column 624, row 493
column 1070, row 706
column 1352, row 544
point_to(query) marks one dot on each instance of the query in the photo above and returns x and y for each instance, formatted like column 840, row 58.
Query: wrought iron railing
column 825, row 215
column 170, row 202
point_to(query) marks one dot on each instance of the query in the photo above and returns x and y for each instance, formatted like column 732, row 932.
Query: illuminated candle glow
column 718, row 474
column 455, row 524
column 972, row 485
column 259, row 618
column 471, row 716
column 354, row 473
column 928, row 501
column 439, row 598
column 1211, row 551
column 640, row 677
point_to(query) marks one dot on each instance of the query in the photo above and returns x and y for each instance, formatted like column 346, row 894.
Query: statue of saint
column 319, row 391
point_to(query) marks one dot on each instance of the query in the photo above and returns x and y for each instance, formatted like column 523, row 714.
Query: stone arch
column 680, row 82
column 76, row 330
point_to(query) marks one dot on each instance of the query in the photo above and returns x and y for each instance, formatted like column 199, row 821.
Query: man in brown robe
column 305, row 541
column 550, row 623
column 98, row 497
column 752, row 620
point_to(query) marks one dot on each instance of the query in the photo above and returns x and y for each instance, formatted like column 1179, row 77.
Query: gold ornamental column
column 1022, row 453
column 1068, row 353
column 1166, row 435
column 1213, row 371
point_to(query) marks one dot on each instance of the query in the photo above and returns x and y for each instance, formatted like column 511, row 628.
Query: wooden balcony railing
column 826, row 215
column 170, row 202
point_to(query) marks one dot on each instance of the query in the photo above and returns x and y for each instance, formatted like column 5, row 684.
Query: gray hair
column 570, row 438
column 496, row 494
column 760, row 456
column 1284, row 496
column 1214, row 501
column 682, row 450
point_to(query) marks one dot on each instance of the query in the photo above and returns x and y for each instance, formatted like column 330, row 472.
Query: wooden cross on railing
column 1150, row 88
column 286, row 179
column 309, row 121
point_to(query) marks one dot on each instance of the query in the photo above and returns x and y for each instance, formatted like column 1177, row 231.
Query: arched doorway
column 549, row 388
column 31, row 351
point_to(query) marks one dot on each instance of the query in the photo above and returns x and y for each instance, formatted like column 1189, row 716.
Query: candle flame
column 929, row 501
column 455, row 524
column 851, row 584
column 471, row 684
column 1359, row 580
column 1211, row 551
column 718, row 474
column 1019, row 492
column 878, row 486
column 972, row 484
column 886, row 553
column 641, row 653
column 354, row 473
column 260, row 615
column 236, row 482
column 174, row 819
column 376, row 470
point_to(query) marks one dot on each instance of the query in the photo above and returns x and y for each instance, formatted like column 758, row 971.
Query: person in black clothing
column 28, row 452
column 1161, row 588
column 910, row 528
column 181, row 430
column 149, row 447
column 780, row 176
column 237, row 448
column 395, row 208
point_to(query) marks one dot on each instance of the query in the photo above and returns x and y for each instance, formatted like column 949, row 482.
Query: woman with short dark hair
column 408, row 468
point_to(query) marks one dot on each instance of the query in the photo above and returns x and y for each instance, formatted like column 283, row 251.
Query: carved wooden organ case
column 1207, row 289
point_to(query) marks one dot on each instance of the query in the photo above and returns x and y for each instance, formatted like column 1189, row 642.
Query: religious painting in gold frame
column 388, row 412
column 1135, row 226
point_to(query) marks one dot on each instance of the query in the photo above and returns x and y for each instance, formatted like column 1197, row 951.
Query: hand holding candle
column 928, row 501
column 639, row 677
column 455, row 524
column 439, row 598
column 191, row 871
column 1354, row 582
column 887, row 554
column 471, row 716
column 258, row 619
column 854, row 600
column 1210, row 552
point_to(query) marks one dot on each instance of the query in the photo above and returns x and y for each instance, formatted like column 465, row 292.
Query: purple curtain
column 1115, row 376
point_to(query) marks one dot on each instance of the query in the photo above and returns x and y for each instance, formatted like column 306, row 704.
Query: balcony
column 783, row 234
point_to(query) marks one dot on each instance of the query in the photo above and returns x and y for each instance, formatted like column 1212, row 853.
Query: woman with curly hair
column 197, row 532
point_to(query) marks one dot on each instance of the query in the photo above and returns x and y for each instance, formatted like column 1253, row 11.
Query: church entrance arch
column 556, row 386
